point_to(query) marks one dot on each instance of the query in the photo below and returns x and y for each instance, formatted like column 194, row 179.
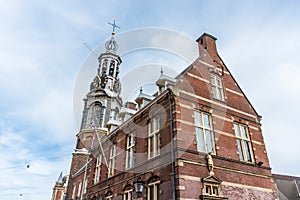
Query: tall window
column 97, row 169
column 130, row 150
column 112, row 160
column 85, row 186
column 127, row 195
column 153, row 191
column 204, row 133
column 153, row 137
column 79, row 189
column 111, row 68
column 243, row 142
column 74, row 190
column 217, row 88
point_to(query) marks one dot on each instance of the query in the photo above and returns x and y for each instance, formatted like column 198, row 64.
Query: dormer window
column 217, row 88
column 211, row 189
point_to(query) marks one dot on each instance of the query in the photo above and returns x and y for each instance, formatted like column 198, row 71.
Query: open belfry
column 197, row 137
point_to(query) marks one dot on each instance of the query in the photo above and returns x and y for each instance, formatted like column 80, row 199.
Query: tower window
column 217, row 88
column 153, row 137
column 111, row 68
column 104, row 66
column 204, row 133
column 243, row 142
column 97, row 114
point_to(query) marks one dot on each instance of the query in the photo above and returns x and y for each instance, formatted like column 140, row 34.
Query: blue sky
column 42, row 53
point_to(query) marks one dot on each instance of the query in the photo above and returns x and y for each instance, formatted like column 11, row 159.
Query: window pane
column 215, row 190
column 158, row 143
column 209, row 143
column 128, row 159
column 151, row 192
column 218, row 82
column 199, row 137
column 132, row 157
column 157, row 192
column 237, row 130
column 220, row 95
column 151, row 126
column 156, row 123
column 129, row 141
column 240, row 149
column 247, row 151
column 197, row 118
column 206, row 121
column 243, row 130
column 212, row 81
column 151, row 146
column 214, row 92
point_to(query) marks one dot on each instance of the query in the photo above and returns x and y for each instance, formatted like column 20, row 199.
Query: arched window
column 127, row 192
column 104, row 66
column 97, row 114
column 153, row 188
column 109, row 195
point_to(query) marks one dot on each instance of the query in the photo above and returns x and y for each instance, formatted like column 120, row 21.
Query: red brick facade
column 181, row 170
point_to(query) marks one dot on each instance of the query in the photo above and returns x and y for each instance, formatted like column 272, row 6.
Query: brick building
column 198, row 137
column 60, row 188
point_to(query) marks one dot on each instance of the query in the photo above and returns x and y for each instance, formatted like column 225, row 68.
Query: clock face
column 102, row 80
column 95, row 83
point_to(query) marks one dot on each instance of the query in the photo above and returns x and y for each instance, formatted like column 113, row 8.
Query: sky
column 42, row 56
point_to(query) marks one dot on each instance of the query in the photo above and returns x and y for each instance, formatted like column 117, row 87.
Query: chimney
column 130, row 105
column 207, row 43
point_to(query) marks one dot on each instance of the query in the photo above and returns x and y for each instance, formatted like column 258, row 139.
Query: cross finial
column 114, row 26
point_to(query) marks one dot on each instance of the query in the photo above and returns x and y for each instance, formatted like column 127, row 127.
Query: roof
column 288, row 186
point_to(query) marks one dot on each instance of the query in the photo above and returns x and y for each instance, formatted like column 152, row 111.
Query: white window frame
column 111, row 161
column 130, row 144
column 74, row 190
column 214, row 189
column 243, row 142
column 155, row 186
column 79, row 189
column 98, row 169
column 154, row 136
column 217, row 88
column 85, row 186
column 202, row 130
column 129, row 193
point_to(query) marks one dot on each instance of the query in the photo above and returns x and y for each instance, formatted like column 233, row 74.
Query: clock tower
column 103, row 102
column 102, row 105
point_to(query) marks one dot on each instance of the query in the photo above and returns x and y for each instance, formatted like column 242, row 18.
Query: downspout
column 172, row 147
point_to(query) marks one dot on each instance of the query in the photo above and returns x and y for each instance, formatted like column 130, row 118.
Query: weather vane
column 114, row 26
